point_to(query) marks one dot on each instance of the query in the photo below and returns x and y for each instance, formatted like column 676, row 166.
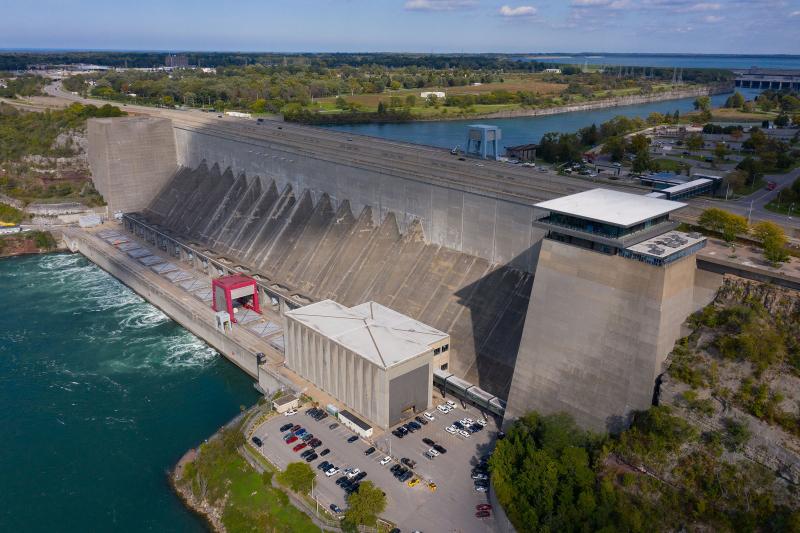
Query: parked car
column 427, row 454
column 414, row 482
column 310, row 457
column 332, row 471
column 386, row 460
column 352, row 472
column 479, row 476
column 483, row 507
column 481, row 488
column 451, row 403
column 433, row 452
column 336, row 509
column 307, row 437
column 369, row 451
column 306, row 453
column 291, row 439
column 395, row 468
column 315, row 443
column 482, row 514
column 300, row 432
column 290, row 412
column 439, row 448
column 257, row 442
column 408, row 462
column 421, row 420
column 428, row 441
column 414, row 425
column 410, row 428
column 324, row 465
column 443, row 408
column 352, row 439
column 341, row 481
column 771, row 185
column 463, row 433
column 397, row 433
column 300, row 446
column 324, row 452
column 360, row 476
column 333, row 426
column 405, row 477
column 429, row 416
column 295, row 427
column 451, row 429
column 286, row 427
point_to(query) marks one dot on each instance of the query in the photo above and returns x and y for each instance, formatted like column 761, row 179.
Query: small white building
column 437, row 94
column 376, row 361
column 552, row 71
column 285, row 403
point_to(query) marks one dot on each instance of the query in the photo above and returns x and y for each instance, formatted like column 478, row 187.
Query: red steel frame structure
column 232, row 283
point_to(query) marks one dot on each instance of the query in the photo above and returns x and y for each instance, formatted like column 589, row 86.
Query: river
column 521, row 130
column 725, row 61
column 100, row 394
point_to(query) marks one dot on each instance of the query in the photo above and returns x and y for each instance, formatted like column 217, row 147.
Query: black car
column 403, row 430
column 439, row 448
column 324, row 465
column 341, row 480
column 405, row 477
column 286, row 427
column 315, row 443
column 311, row 457
column 414, row 425
column 353, row 488
column 397, row 433
column 458, row 424
column 475, row 428
column 481, row 483
column 322, row 416
column 428, row 441
column 485, row 458
column 360, row 476
column 408, row 462
column 306, row 453
column 257, row 442
column 421, row 420
column 312, row 411
column 369, row 451
column 395, row 468
column 333, row 426
column 352, row 439
column 410, row 428
column 336, row 509
column 324, row 452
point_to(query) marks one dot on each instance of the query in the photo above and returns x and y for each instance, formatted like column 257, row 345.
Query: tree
column 773, row 239
column 639, row 143
column 381, row 108
column 341, row 103
column 720, row 151
column 694, row 141
column 735, row 101
column 753, row 169
column 702, row 103
column 642, row 162
column 721, row 221
column 298, row 476
column 737, row 179
column 615, row 147
column 411, row 100
column 365, row 505
column 782, row 120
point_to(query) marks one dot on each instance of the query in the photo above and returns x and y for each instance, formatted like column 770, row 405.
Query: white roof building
column 373, row 359
column 611, row 207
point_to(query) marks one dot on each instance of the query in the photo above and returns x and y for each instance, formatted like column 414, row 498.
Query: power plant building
column 376, row 361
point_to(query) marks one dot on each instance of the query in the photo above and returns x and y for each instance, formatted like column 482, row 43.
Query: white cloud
column 519, row 11
column 702, row 6
column 439, row 5
column 609, row 4
column 794, row 14
column 712, row 18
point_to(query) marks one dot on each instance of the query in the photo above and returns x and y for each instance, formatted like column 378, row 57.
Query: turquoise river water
column 100, row 394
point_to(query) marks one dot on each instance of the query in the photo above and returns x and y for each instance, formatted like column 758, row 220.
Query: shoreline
column 618, row 101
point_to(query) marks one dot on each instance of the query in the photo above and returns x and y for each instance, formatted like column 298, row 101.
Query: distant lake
column 675, row 60
column 521, row 130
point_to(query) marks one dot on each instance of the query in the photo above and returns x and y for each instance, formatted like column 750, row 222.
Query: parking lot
column 451, row 507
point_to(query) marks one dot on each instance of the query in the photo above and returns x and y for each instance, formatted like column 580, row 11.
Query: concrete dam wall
column 479, row 223
column 308, row 243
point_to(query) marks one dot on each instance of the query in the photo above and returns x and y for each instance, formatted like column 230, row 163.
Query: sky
column 438, row 26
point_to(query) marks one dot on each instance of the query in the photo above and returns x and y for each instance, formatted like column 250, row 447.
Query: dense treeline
column 11, row 87
column 505, row 62
column 551, row 476
column 23, row 133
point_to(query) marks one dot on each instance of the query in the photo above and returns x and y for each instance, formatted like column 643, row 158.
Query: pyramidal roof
column 371, row 330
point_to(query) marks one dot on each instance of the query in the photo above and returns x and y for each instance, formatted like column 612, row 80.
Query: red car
column 482, row 514
column 300, row 446
column 771, row 185
column 291, row 439
column 483, row 507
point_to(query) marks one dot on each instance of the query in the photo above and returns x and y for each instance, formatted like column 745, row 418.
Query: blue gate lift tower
column 480, row 138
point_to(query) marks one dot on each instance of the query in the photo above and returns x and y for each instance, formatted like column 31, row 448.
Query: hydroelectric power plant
column 567, row 306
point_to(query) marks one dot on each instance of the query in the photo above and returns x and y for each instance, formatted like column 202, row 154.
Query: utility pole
column 749, row 212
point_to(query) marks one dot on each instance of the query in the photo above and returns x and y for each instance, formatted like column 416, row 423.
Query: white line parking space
column 448, row 507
